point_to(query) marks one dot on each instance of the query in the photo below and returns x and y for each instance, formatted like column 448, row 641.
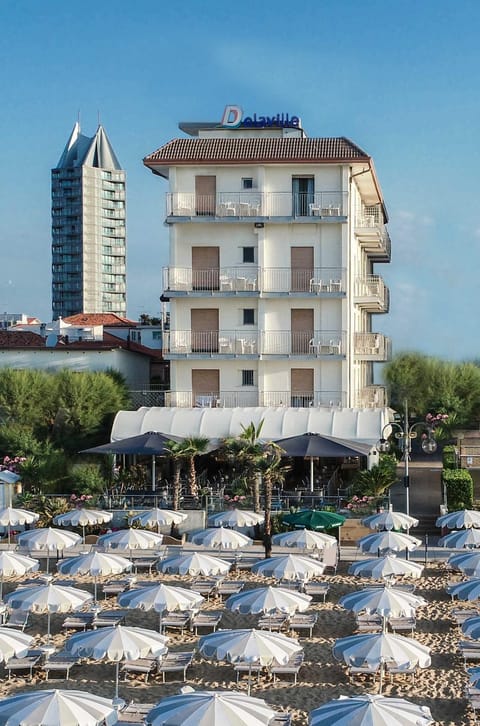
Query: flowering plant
column 236, row 499
column 360, row 504
column 12, row 463
column 80, row 500
column 433, row 419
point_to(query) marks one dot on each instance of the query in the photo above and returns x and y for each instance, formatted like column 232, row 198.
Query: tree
column 193, row 446
column 375, row 482
column 247, row 450
column 177, row 455
column 273, row 471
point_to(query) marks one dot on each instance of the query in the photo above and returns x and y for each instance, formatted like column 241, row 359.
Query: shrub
column 459, row 488
column 449, row 457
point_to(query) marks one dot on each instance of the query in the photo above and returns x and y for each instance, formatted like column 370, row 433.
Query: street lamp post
column 405, row 432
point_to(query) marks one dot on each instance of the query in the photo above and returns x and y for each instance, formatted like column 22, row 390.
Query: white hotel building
column 272, row 281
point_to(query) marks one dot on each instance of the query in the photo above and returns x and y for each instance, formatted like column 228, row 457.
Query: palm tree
column 247, row 450
column 174, row 449
column 193, row 446
column 273, row 471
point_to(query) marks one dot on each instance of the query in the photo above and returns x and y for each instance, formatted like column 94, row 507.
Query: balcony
column 372, row 294
column 223, row 281
column 241, row 281
column 236, row 343
column 372, row 397
column 372, row 234
column 249, row 206
column 243, row 399
column 372, row 346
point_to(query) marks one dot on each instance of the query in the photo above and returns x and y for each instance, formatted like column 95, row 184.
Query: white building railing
column 236, row 398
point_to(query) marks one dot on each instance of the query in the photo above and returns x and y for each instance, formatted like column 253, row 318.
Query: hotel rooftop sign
column 233, row 118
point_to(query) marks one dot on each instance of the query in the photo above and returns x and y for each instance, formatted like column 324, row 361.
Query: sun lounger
column 462, row 614
column 470, row 650
column 281, row 719
column 369, row 623
column 230, row 587
column 361, row 668
column 205, row 620
column 108, row 618
column 134, row 713
column 402, row 624
column 317, row 589
column 293, row 666
column 59, row 662
column 273, row 622
column 404, row 669
column 17, row 619
column 179, row 620
column 145, row 666
column 80, row 621
column 174, row 662
column 145, row 563
column 303, row 621
column 205, row 587
column 115, row 587
column 27, row 663
column 249, row 668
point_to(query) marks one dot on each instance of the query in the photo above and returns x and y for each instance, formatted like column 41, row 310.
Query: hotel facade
column 272, row 280
column 88, row 228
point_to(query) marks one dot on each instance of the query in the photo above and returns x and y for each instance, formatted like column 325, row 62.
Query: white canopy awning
column 363, row 425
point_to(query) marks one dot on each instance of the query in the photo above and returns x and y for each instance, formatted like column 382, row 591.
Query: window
column 247, row 183
column 156, row 335
column 248, row 254
column 249, row 316
column 247, row 378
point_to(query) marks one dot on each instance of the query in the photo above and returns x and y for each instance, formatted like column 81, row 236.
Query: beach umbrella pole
column 311, row 475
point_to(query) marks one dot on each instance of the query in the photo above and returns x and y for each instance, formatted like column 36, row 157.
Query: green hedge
column 459, row 488
column 449, row 457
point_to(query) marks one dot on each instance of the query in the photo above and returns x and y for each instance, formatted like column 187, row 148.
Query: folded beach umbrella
column 12, row 564
column 96, row 564
column 235, row 518
column 268, row 600
column 390, row 520
column 369, row 710
column 158, row 517
column 210, row 708
column 83, row 518
column 388, row 540
column 385, row 601
column 116, row 644
column 48, row 539
column 161, row 598
column 466, row 562
column 131, row 539
column 194, row 564
column 466, row 590
column 381, row 568
column 221, row 538
column 256, row 647
column 463, row 538
column 305, row 539
column 458, row 520
column 290, row 567
column 57, row 708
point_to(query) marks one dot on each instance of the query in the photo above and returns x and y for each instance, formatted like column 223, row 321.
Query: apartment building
column 272, row 280
column 88, row 228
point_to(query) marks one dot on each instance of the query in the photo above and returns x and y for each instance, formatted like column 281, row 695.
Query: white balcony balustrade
column 372, row 294
column 372, row 234
column 237, row 398
column 372, row 346
column 372, row 397
column 224, row 280
column 310, row 343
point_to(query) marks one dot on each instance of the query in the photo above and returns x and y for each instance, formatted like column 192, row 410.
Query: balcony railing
column 372, row 294
column 257, row 204
column 372, row 346
column 233, row 399
column 273, row 280
column 372, row 397
column 238, row 343
column 372, row 233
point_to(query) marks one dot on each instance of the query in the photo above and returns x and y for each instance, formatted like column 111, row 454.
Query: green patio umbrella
column 314, row 519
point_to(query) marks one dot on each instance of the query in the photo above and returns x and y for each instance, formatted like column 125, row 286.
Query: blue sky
column 398, row 77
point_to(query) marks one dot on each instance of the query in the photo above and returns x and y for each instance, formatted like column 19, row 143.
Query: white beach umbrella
column 221, row 538
column 116, row 644
column 306, row 539
column 161, row 598
column 376, row 649
column 194, row 564
column 12, row 565
column 464, row 518
column 466, row 562
column 466, row 590
column 381, row 568
column 463, row 538
column 471, row 628
column 57, row 708
column 388, row 540
column 11, row 517
column 210, row 708
column 83, row 518
column 96, row 564
column 13, row 643
column 385, row 601
column 289, row 567
column 131, row 539
column 158, row 517
column 49, row 598
column 235, row 518
column 390, row 520
column 248, row 646
column 268, row 600
column 48, row 539
column 370, row 710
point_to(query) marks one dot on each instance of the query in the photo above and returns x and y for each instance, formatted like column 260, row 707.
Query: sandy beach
column 321, row 679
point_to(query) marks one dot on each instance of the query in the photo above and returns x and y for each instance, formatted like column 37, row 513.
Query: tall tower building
column 274, row 293
column 88, row 228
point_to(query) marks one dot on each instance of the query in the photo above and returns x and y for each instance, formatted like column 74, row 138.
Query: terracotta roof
column 20, row 339
column 98, row 319
column 273, row 150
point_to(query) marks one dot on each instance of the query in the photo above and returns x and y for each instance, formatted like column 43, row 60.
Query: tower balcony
column 372, row 234
column 261, row 206
column 372, row 347
column 372, row 397
column 372, row 294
